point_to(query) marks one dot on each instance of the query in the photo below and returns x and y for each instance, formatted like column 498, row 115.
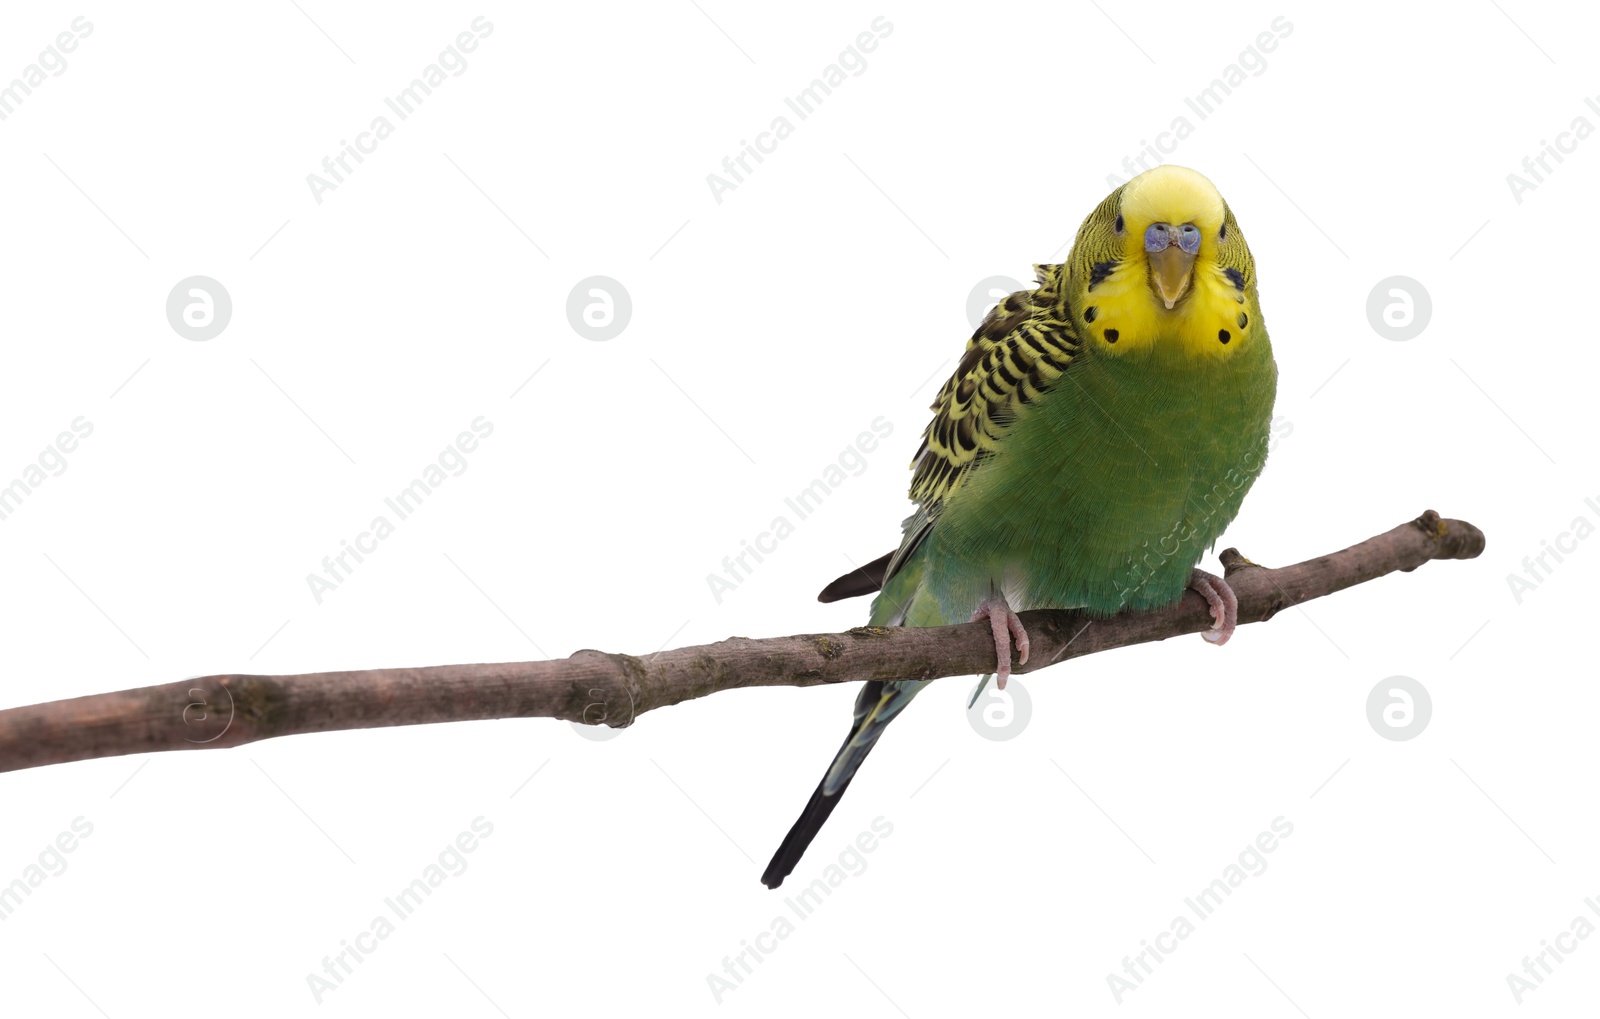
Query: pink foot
column 1007, row 626
column 1224, row 605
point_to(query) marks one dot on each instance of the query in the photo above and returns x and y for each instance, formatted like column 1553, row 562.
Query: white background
column 768, row 330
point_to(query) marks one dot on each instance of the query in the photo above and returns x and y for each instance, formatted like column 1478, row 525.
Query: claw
column 1007, row 627
column 1224, row 605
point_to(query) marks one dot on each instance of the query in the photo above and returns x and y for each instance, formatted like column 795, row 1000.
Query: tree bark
column 603, row 688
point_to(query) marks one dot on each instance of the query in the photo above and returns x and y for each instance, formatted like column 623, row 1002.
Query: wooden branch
column 612, row 689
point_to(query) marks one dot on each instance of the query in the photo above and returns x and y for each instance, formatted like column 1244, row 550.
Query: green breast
column 1110, row 487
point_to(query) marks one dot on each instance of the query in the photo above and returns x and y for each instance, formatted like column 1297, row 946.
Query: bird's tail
column 876, row 706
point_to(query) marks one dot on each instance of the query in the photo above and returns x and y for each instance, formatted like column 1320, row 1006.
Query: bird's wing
column 1019, row 352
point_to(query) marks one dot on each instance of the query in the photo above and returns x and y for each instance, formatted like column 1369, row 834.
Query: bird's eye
column 1222, row 234
column 1119, row 225
column 1189, row 238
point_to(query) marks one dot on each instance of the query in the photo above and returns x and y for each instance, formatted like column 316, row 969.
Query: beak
column 1169, row 273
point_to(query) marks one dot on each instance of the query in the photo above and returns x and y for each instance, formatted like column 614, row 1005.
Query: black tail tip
column 787, row 857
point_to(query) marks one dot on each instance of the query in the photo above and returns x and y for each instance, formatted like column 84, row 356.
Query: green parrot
column 1098, row 435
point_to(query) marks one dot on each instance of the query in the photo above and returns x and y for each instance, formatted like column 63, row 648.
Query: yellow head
column 1162, row 261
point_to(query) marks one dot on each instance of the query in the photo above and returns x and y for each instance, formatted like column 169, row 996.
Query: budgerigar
column 1099, row 433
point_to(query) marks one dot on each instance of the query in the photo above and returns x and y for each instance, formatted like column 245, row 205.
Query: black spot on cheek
column 1235, row 277
column 1090, row 312
column 1222, row 334
column 1112, row 335
column 1244, row 320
